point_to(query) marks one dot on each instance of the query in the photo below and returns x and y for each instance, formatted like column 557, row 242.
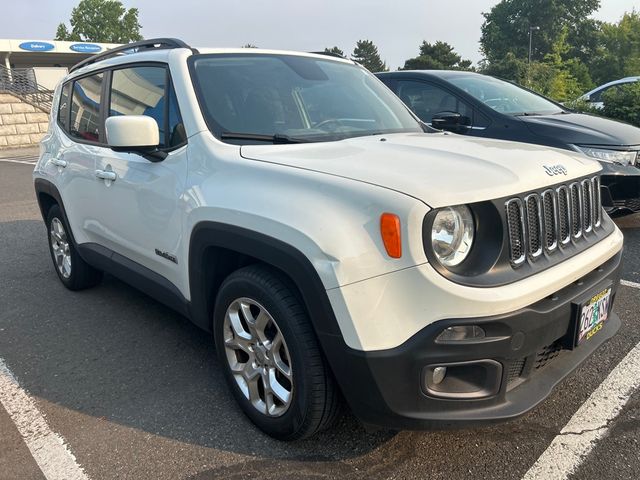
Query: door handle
column 58, row 162
column 106, row 175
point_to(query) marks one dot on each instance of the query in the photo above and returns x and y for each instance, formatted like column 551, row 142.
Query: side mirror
column 134, row 133
column 451, row 121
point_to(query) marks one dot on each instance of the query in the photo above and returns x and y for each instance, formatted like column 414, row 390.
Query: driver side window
column 426, row 99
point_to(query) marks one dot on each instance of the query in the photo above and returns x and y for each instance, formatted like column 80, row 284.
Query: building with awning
column 29, row 72
column 49, row 59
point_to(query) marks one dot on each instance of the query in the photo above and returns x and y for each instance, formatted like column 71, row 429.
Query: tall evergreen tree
column 366, row 54
column 334, row 51
column 437, row 56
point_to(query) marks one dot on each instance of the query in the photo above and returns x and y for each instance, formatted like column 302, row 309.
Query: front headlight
column 452, row 235
column 606, row 155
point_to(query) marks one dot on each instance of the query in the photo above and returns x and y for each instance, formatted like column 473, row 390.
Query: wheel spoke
column 237, row 327
column 249, row 318
column 262, row 321
column 270, row 404
column 254, row 393
column 66, row 264
column 237, row 343
column 278, row 390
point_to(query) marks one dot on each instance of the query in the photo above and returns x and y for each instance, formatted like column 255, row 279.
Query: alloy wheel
column 258, row 357
column 60, row 248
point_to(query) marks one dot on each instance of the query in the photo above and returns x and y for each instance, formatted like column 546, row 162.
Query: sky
column 397, row 28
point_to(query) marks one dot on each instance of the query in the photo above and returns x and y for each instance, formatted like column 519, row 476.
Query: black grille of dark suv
column 551, row 219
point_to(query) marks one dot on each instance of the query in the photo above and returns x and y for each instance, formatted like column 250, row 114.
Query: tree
column 366, row 54
column 553, row 77
column 334, row 51
column 104, row 21
column 437, row 56
column 618, row 52
column 506, row 26
column 249, row 45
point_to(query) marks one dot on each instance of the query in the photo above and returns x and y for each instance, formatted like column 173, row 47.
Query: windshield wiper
column 275, row 139
column 528, row 114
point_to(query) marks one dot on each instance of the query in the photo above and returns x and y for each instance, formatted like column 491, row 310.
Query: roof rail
column 330, row 54
column 158, row 43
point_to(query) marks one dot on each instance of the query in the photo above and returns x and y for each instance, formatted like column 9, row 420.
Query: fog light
column 462, row 380
column 438, row 375
column 461, row 333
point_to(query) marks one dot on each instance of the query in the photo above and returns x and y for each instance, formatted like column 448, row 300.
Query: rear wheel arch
column 48, row 196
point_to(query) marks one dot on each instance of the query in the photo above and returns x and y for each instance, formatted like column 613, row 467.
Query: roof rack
column 330, row 54
column 157, row 43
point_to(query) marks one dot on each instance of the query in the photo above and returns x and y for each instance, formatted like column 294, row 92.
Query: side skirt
column 136, row 275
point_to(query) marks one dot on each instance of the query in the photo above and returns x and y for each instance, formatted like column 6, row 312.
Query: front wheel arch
column 216, row 250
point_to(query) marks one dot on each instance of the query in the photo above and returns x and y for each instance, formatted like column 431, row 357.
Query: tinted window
column 176, row 131
column 426, row 99
column 503, row 96
column 302, row 97
column 142, row 91
column 85, row 108
column 63, row 106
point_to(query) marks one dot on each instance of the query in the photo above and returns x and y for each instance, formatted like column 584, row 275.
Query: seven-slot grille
column 542, row 222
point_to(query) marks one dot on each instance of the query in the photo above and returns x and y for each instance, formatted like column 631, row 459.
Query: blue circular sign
column 36, row 46
column 85, row 47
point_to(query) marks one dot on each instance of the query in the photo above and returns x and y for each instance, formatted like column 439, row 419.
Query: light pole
column 531, row 30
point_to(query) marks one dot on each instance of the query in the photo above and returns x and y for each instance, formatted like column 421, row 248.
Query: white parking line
column 23, row 162
column 590, row 423
column 627, row 283
column 47, row 447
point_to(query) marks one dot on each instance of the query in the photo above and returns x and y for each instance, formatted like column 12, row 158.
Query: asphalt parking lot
column 135, row 390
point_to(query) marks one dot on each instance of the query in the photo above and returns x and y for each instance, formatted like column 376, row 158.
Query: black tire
column 315, row 400
column 80, row 275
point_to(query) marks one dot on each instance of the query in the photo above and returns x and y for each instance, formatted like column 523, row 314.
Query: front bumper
column 620, row 189
column 531, row 345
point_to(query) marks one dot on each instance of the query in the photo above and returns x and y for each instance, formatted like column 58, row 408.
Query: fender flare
column 271, row 251
column 45, row 186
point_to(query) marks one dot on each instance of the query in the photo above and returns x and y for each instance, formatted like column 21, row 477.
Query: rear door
column 141, row 214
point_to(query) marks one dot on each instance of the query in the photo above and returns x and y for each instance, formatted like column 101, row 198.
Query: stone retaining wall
column 21, row 124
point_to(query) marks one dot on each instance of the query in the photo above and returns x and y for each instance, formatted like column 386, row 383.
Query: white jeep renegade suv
column 335, row 247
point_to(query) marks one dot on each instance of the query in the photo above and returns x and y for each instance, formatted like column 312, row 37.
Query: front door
column 141, row 215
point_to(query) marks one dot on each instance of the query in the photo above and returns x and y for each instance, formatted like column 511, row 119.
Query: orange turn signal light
column 390, row 232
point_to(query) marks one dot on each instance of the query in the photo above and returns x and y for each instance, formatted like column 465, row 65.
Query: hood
column 581, row 129
column 439, row 169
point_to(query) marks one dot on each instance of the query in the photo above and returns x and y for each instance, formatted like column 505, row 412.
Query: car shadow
column 112, row 352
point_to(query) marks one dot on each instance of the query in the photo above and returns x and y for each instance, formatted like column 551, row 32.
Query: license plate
column 593, row 313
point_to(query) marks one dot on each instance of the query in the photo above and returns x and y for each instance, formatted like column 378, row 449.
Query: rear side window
column 85, row 108
column 63, row 107
column 143, row 91
column 426, row 100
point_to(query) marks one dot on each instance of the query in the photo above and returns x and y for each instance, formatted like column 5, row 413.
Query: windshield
column 255, row 97
column 505, row 97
